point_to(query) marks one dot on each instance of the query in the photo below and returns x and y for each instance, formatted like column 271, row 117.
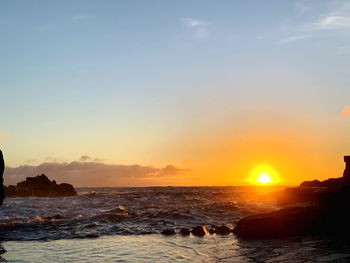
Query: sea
column 125, row 225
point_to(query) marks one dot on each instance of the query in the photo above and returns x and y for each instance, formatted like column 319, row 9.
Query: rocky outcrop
column 2, row 168
column 295, row 195
column 284, row 222
column 40, row 186
column 331, row 184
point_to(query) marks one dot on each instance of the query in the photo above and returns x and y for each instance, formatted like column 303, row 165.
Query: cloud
column 291, row 39
column 345, row 113
column 84, row 158
column 92, row 173
column 332, row 22
column 191, row 22
column 199, row 27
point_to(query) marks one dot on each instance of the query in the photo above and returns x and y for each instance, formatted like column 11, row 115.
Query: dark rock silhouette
column 211, row 231
column 308, row 191
column 222, row 230
column 40, row 186
column 329, row 214
column 168, row 232
column 199, row 231
column 331, row 184
column 185, row 231
column 2, row 169
column 284, row 222
column 294, row 195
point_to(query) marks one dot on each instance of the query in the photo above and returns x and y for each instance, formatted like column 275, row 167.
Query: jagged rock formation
column 2, row 168
column 40, row 186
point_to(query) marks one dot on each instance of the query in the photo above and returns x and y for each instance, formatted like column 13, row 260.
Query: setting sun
column 263, row 174
column 264, row 178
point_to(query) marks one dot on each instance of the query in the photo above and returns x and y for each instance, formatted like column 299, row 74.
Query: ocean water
column 125, row 225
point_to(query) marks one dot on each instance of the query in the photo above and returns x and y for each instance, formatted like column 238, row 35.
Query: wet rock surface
column 199, row 231
column 40, row 186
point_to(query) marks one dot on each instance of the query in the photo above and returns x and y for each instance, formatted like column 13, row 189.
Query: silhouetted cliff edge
column 2, row 168
column 39, row 186
column 324, row 210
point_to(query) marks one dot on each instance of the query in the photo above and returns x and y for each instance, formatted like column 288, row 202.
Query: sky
column 140, row 93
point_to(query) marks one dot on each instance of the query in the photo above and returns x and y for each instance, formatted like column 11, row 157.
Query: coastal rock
column 168, row 232
column 295, row 195
column 2, row 168
column 199, row 231
column 185, row 231
column 332, row 184
column 40, row 186
column 284, row 222
column 336, row 216
column 222, row 230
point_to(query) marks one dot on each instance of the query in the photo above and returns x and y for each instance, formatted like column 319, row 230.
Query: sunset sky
column 138, row 93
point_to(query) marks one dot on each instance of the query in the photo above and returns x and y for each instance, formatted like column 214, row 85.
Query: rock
column 332, row 184
column 185, row 231
column 168, row 232
column 2, row 169
column 40, row 186
column 284, row 222
column 346, row 173
column 91, row 236
column 334, row 206
column 222, row 230
column 199, row 231
column 295, row 195
column 211, row 231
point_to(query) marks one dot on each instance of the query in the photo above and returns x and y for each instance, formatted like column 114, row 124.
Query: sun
column 264, row 178
column 264, row 174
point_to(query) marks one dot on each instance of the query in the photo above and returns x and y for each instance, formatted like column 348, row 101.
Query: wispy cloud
column 199, row 27
column 292, row 38
column 191, row 22
column 345, row 113
column 332, row 22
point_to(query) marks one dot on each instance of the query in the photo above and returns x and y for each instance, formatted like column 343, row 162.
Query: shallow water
column 124, row 225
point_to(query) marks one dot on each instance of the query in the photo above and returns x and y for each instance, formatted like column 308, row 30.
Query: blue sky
column 138, row 81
